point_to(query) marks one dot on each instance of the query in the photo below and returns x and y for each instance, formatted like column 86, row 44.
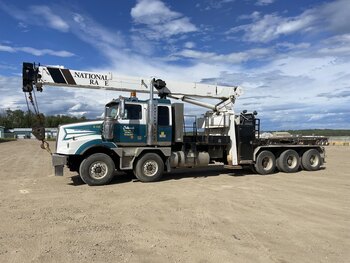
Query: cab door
column 164, row 131
column 131, row 129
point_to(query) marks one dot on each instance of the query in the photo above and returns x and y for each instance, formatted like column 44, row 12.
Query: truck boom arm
column 58, row 76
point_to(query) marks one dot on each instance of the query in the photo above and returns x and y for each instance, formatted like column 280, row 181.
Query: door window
column 163, row 116
column 133, row 112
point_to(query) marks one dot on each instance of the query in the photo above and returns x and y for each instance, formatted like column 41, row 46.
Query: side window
column 163, row 116
column 133, row 112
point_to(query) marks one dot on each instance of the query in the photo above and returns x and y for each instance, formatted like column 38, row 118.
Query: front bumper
column 58, row 162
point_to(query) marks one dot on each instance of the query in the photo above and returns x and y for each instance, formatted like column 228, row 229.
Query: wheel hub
column 150, row 168
column 291, row 161
column 314, row 160
column 266, row 163
column 98, row 170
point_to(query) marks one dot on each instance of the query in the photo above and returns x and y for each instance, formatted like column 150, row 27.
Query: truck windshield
column 112, row 111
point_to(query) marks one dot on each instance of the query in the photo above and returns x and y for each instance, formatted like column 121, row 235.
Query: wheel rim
column 291, row 161
column 267, row 163
column 314, row 160
column 98, row 170
column 150, row 168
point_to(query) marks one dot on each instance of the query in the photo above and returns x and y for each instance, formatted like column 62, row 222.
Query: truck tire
column 265, row 163
column 288, row 161
column 97, row 169
column 149, row 168
column 311, row 160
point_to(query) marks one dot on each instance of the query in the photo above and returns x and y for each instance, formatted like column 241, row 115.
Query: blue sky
column 292, row 58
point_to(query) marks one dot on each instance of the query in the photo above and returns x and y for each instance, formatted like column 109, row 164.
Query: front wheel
column 149, row 168
column 97, row 169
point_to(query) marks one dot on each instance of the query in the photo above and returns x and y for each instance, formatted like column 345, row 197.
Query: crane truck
column 148, row 137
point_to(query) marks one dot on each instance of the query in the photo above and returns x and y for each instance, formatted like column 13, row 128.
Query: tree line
column 19, row 119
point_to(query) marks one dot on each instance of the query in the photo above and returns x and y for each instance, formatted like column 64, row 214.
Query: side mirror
column 121, row 113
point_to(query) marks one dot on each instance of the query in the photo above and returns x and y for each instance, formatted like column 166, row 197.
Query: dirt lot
column 190, row 216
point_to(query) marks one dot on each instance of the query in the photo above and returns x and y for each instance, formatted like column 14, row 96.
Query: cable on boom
column 30, row 76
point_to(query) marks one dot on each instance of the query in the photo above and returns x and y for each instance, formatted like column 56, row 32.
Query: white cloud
column 152, row 12
column 332, row 17
column 142, row 45
column 293, row 46
column 271, row 26
column 338, row 39
column 335, row 46
column 189, row 44
column 290, row 92
column 336, row 15
column 11, row 86
column 7, row 66
column 52, row 19
column 235, row 57
column 253, row 16
column 39, row 15
column 175, row 27
column 342, row 51
column 42, row 52
column 37, row 52
column 135, row 65
column 264, row 2
column 293, row 25
column 54, row 100
column 7, row 49
column 65, row 20
column 23, row 27
column 154, row 20
column 93, row 33
column 214, row 4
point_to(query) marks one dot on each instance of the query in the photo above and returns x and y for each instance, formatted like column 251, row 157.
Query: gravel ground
column 195, row 215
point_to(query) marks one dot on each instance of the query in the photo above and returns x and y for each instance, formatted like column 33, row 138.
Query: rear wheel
column 288, row 161
column 265, row 163
column 311, row 160
column 149, row 168
column 97, row 169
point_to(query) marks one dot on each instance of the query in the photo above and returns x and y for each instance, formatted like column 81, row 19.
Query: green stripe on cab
column 93, row 143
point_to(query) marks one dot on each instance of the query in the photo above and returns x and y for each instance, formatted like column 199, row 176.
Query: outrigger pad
column 59, row 170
